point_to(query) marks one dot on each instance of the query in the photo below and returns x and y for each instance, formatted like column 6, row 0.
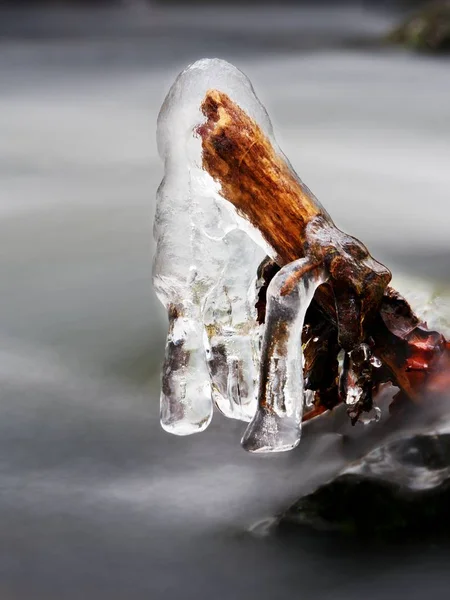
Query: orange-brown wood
column 255, row 178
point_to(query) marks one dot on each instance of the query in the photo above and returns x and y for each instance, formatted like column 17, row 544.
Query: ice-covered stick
column 264, row 189
column 369, row 316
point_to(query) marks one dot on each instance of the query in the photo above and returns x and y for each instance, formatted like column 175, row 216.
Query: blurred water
column 95, row 500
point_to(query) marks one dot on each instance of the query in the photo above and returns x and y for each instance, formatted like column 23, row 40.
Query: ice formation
column 205, row 275
column 205, row 267
column 233, row 333
column 276, row 426
column 219, row 350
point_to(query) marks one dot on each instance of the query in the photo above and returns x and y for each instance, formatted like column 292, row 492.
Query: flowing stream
column 96, row 501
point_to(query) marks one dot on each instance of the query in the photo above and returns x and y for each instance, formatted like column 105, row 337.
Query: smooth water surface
column 96, row 500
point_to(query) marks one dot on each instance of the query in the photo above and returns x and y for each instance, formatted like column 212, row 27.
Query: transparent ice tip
column 186, row 405
column 276, row 426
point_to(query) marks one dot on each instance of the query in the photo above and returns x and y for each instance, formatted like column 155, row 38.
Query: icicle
column 276, row 427
column 234, row 335
column 185, row 391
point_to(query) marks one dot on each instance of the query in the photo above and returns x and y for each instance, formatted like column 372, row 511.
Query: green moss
column 427, row 30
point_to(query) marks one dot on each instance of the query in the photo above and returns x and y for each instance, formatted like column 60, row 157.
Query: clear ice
column 205, row 275
column 205, row 266
column 233, row 333
column 276, row 426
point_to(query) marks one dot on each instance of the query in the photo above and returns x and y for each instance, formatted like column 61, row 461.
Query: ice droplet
column 276, row 426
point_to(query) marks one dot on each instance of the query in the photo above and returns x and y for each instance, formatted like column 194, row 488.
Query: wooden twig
column 357, row 303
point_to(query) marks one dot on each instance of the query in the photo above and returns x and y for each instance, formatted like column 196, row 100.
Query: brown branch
column 255, row 179
column 264, row 190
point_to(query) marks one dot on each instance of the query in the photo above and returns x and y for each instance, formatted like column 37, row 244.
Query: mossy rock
column 427, row 30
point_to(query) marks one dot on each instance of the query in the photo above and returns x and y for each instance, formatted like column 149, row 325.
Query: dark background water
column 96, row 501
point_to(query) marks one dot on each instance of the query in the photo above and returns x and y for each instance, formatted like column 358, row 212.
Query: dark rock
column 426, row 30
column 400, row 488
